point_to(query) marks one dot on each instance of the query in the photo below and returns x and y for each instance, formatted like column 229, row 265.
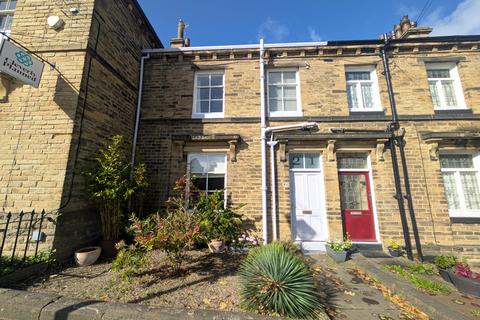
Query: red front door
column 356, row 205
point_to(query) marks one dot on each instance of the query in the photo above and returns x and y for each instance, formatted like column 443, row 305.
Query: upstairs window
column 445, row 87
column 362, row 89
column 283, row 93
column 7, row 10
column 209, row 95
column 460, row 174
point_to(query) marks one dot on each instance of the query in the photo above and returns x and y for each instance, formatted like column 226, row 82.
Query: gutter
column 139, row 109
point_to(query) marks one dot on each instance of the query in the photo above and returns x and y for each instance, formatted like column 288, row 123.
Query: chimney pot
column 180, row 29
column 179, row 41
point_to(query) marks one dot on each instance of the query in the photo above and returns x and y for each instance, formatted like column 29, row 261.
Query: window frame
column 457, row 85
column 377, row 104
column 10, row 14
column 463, row 212
column 196, row 113
column 203, row 153
column 296, row 113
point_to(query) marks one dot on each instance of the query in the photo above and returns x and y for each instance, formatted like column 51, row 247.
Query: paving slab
column 24, row 305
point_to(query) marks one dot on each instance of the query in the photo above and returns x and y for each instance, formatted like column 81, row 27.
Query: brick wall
column 167, row 110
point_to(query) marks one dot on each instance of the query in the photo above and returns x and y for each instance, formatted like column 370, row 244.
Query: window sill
column 376, row 110
column 285, row 114
column 453, row 110
column 464, row 215
column 213, row 115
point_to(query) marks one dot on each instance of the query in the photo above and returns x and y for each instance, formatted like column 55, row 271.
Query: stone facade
column 168, row 132
column 50, row 134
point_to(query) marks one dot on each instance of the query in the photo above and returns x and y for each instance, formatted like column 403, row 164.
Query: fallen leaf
column 206, row 301
column 349, row 293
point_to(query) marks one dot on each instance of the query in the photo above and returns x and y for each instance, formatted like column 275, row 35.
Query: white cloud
column 463, row 20
column 314, row 36
column 273, row 31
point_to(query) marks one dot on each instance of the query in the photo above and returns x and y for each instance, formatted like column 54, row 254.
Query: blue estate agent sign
column 19, row 64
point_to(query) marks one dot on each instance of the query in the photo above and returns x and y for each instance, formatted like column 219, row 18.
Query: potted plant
column 339, row 249
column 394, row 248
column 220, row 225
column 87, row 256
column 465, row 280
column 445, row 263
column 110, row 183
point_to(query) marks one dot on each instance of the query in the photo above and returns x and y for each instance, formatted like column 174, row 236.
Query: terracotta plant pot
column 341, row 256
column 215, row 245
column 87, row 256
column 395, row 252
column 108, row 248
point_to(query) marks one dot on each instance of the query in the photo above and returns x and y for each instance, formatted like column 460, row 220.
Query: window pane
column 275, row 105
column 312, row 160
column 202, row 81
column 198, row 164
column 352, row 161
column 456, row 161
column 216, row 106
column 353, row 191
column 367, row 95
column 216, row 182
column 296, row 160
column 274, row 77
column 216, row 163
column 217, row 80
column 290, row 92
column 358, row 75
column 440, row 73
column 434, row 93
column 3, row 4
column 217, row 93
column 274, row 92
column 200, row 183
column 12, row 5
column 451, row 190
column 204, row 93
column 204, row 106
column 470, row 190
column 352, row 96
column 290, row 105
column 8, row 24
column 290, row 77
column 449, row 92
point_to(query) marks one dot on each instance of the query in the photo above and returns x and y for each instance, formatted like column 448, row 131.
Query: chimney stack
column 409, row 29
column 180, row 41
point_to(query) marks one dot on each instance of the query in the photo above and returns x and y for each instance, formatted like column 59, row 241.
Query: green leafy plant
column 423, row 268
column 111, row 182
column 476, row 313
column 340, row 245
column 422, row 283
column 394, row 244
column 7, row 265
column 217, row 221
column 446, row 261
column 129, row 260
column 275, row 281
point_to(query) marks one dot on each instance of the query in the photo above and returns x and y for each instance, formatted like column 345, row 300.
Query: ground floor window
column 460, row 174
column 207, row 171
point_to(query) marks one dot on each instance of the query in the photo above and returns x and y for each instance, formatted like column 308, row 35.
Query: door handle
column 356, row 213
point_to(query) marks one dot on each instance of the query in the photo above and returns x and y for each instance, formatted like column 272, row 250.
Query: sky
column 215, row 22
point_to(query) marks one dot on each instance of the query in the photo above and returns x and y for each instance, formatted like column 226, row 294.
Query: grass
column 419, row 282
column 476, row 313
column 8, row 266
column 423, row 268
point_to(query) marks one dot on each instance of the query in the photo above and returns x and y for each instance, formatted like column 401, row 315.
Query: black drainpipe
column 394, row 141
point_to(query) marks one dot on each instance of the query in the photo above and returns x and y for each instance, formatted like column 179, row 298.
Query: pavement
column 351, row 297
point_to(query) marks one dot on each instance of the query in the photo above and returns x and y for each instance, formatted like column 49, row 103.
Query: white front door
column 309, row 223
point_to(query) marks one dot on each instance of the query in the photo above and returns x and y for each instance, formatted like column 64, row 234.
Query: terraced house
column 326, row 163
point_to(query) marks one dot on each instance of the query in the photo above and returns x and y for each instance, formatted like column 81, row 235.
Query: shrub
column 275, row 281
column 446, row 261
column 463, row 270
column 128, row 260
column 217, row 221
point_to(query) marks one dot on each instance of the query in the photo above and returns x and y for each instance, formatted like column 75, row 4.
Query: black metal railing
column 22, row 223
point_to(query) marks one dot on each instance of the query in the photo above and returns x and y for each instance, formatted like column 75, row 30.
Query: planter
column 215, row 245
column 108, row 248
column 87, row 256
column 337, row 256
column 466, row 285
column 395, row 252
column 446, row 274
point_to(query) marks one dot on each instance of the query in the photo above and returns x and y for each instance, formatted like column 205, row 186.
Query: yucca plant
column 275, row 281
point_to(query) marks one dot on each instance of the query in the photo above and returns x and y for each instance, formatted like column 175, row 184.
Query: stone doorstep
column 22, row 305
column 433, row 308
